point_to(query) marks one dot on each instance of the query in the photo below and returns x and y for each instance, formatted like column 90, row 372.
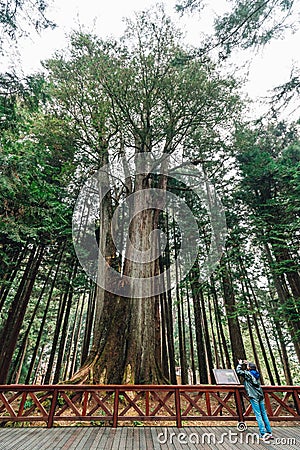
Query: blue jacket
column 251, row 383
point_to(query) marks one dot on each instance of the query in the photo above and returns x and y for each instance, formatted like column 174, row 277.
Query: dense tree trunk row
column 200, row 327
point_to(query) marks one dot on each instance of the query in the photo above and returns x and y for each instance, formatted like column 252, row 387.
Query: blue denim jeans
column 260, row 412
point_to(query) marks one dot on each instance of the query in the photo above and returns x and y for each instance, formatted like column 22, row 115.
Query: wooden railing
column 112, row 404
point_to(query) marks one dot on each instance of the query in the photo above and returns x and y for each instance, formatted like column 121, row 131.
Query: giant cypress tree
column 141, row 95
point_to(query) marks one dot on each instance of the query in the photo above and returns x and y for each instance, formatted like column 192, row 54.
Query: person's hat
column 252, row 366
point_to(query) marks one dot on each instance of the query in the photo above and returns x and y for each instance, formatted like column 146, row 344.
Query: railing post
column 85, row 402
column 52, row 409
column 177, row 408
column 268, row 403
column 239, row 406
column 147, row 403
column 296, row 400
column 116, row 409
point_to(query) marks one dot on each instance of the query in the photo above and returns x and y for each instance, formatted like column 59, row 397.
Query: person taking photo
column 251, row 377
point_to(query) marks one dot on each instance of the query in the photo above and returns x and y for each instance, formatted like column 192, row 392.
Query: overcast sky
column 270, row 68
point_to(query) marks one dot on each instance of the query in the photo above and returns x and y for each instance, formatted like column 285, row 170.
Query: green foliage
column 137, row 423
column 96, row 423
column 29, row 92
column 60, row 400
column 177, row 92
column 189, row 5
column 269, row 160
column 286, row 93
column 28, row 404
column 253, row 23
column 13, row 13
column 35, row 171
column 247, row 24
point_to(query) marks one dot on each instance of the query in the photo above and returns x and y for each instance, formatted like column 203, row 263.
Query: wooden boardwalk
column 144, row 438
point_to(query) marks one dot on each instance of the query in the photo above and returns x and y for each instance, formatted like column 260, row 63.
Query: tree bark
column 237, row 344
column 191, row 336
column 222, row 339
column 202, row 364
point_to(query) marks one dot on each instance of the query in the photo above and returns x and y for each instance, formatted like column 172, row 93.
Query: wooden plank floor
column 144, row 438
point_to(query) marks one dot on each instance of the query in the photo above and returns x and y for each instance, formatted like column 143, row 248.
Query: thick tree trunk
column 211, row 377
column 202, row 363
column 75, row 357
column 214, row 340
column 170, row 335
column 182, row 344
column 39, row 362
column 236, row 340
column 19, row 371
column 169, row 309
column 164, row 342
column 124, row 343
column 191, row 336
column 64, row 328
column 124, row 346
column 284, row 355
column 72, row 347
column 88, row 326
column 253, row 345
column 141, row 365
column 221, row 334
column 180, row 319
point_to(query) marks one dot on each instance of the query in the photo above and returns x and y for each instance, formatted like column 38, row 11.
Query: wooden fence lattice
column 113, row 404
